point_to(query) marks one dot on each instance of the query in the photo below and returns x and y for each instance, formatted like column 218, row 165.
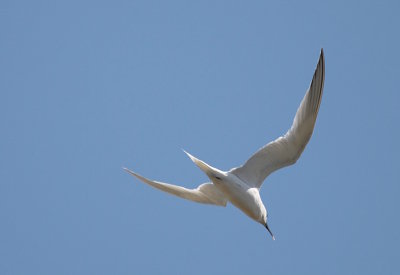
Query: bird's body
column 240, row 186
column 242, row 196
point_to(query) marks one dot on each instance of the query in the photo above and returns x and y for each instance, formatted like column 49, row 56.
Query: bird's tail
column 208, row 169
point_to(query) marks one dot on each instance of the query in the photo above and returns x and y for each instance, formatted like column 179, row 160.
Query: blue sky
column 89, row 87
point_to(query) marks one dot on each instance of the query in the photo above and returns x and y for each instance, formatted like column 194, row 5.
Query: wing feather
column 287, row 149
column 206, row 193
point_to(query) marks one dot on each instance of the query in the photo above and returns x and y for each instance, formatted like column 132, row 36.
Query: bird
column 241, row 185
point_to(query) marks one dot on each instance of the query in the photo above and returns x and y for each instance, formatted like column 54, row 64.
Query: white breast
column 242, row 196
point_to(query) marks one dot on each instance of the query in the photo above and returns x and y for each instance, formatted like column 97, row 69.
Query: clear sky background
column 89, row 87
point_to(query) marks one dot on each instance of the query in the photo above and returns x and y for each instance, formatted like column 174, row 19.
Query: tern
column 241, row 185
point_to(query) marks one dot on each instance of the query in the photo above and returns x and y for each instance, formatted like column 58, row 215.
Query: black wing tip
column 320, row 66
column 321, row 71
column 317, row 83
column 322, row 57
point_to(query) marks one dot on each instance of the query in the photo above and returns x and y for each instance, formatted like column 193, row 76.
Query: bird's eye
column 218, row 178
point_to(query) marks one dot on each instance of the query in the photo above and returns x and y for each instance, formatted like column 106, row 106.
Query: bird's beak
column 269, row 230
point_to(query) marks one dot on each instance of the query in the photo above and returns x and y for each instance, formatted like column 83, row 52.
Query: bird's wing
column 287, row 149
column 206, row 193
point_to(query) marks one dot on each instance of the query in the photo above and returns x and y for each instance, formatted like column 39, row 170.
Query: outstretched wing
column 287, row 149
column 206, row 193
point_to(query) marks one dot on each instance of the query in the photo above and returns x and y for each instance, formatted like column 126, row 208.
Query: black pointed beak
column 269, row 230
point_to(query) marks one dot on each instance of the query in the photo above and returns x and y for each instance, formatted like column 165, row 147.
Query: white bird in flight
column 241, row 185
